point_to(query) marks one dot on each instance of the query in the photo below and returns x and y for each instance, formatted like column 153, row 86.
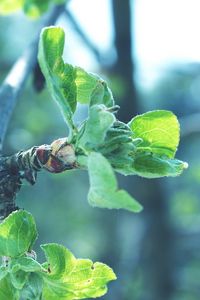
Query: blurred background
column 149, row 52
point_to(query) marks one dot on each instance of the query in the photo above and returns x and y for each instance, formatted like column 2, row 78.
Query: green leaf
column 151, row 166
column 70, row 278
column 59, row 78
column 67, row 84
column 7, row 291
column 18, row 279
column 159, row 131
column 10, row 6
column 98, row 123
column 103, row 191
column 3, row 272
column 17, row 234
column 26, row 264
column 59, row 259
column 85, row 84
column 20, row 268
column 101, row 94
column 33, row 287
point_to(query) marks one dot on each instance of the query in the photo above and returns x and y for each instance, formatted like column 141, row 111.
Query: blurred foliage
column 32, row 8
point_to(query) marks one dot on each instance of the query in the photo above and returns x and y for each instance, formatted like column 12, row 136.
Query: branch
column 88, row 43
column 15, row 81
column 24, row 165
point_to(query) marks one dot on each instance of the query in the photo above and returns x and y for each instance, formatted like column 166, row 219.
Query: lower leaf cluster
column 62, row 276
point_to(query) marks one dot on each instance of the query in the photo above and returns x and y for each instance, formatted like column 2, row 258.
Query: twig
column 55, row 158
column 15, row 81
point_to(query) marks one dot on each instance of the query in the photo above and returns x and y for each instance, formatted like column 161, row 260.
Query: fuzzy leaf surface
column 98, row 123
column 17, row 234
column 72, row 278
column 103, row 191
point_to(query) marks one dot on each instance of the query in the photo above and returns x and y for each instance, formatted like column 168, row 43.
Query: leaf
column 101, row 94
column 159, row 131
column 85, row 84
column 7, row 291
column 103, row 186
column 150, row 166
column 58, row 77
column 72, row 278
column 67, row 84
column 18, row 279
column 33, row 287
column 26, row 264
column 98, row 123
column 20, row 269
column 17, row 234
column 3, row 272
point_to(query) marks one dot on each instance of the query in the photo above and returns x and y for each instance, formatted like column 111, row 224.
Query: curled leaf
column 71, row 278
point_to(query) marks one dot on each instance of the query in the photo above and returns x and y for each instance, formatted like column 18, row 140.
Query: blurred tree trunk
column 157, row 249
column 124, row 67
column 156, row 257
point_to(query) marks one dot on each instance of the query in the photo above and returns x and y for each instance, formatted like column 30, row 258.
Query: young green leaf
column 152, row 166
column 59, row 78
column 33, row 287
column 101, row 94
column 3, row 272
column 71, row 278
column 7, row 291
column 67, row 84
column 17, row 234
column 26, row 264
column 159, row 131
column 18, row 279
column 103, row 191
column 98, row 123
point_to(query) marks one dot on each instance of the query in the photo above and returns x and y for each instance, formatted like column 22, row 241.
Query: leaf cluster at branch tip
column 146, row 146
